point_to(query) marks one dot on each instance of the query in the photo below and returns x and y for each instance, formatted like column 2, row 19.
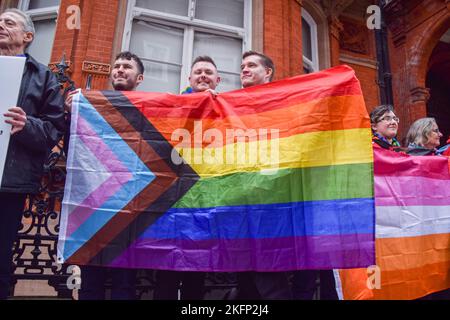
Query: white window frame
column 313, row 65
column 190, row 25
column 45, row 13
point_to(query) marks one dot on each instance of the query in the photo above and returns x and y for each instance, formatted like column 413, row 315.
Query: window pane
column 160, row 77
column 164, row 46
column 229, row 82
column 179, row 7
column 229, row 12
column 226, row 53
column 37, row 4
column 41, row 47
column 306, row 39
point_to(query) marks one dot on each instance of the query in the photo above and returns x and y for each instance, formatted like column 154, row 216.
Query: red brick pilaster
column 335, row 28
column 88, row 49
column 282, row 36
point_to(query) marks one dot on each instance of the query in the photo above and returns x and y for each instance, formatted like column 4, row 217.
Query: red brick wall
column 93, row 42
column 367, row 77
column 413, row 36
column 282, row 36
column 358, row 42
column 400, row 87
column 282, row 42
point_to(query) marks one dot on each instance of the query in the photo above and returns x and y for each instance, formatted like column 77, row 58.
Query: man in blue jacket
column 126, row 75
column 37, row 126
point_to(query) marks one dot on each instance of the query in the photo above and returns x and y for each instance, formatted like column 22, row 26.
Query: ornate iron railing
column 35, row 249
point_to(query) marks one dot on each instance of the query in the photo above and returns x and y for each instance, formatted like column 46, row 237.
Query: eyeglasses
column 389, row 119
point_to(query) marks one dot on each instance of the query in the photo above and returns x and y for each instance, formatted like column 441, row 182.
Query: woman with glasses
column 423, row 137
column 384, row 125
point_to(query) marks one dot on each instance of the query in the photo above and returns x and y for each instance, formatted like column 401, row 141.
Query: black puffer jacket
column 41, row 99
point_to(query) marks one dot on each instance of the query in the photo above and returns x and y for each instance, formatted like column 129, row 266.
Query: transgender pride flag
column 155, row 181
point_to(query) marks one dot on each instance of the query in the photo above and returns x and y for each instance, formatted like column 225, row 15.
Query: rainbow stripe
column 270, row 178
column 412, row 231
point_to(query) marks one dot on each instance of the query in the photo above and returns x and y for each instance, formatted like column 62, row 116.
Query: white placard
column 11, row 70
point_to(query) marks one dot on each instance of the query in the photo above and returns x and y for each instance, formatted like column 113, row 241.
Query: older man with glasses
column 37, row 126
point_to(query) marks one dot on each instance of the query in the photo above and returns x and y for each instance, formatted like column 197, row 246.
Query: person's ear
column 218, row 80
column 28, row 37
column 269, row 72
column 374, row 127
column 140, row 79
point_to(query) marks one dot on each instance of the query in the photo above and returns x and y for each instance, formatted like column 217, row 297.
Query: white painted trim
column 191, row 10
column 167, row 17
column 308, row 64
column 188, row 56
column 316, row 11
column 23, row 5
column 43, row 13
column 128, row 25
column 40, row 13
column 314, row 42
column 183, row 26
column 247, row 40
column 359, row 61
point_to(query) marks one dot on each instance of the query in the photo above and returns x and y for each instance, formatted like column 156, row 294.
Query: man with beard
column 127, row 73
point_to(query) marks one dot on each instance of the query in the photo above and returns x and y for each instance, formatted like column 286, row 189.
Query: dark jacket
column 382, row 143
column 416, row 150
column 41, row 99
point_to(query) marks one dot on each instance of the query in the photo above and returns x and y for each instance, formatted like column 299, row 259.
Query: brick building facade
column 336, row 33
column 300, row 35
column 417, row 29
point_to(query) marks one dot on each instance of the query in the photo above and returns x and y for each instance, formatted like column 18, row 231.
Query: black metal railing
column 35, row 249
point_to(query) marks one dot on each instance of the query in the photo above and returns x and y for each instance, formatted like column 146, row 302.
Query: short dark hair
column 127, row 55
column 265, row 61
column 379, row 111
column 203, row 59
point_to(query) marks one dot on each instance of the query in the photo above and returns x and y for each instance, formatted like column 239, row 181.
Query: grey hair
column 419, row 131
column 28, row 25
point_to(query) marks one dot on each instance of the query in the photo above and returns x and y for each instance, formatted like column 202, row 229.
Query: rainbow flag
column 412, row 196
column 270, row 178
